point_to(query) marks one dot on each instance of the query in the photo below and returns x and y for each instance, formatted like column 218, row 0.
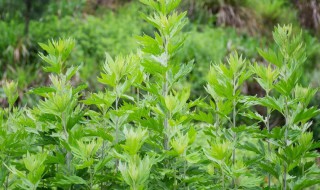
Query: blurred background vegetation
column 216, row 28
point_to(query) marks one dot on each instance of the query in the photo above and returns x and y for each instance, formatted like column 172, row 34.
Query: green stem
column 234, row 134
column 269, row 146
column 165, row 92
column 7, row 181
column 285, row 141
column 10, row 110
column 217, row 123
column 175, row 183
column 117, row 130
column 6, row 187
column 166, row 119
column 104, row 111
column 57, row 165
column 234, row 104
column 65, row 131
column 91, row 177
column 184, row 170
column 117, row 120
column 147, row 81
column 223, row 181
column 9, row 115
column 135, row 187
column 138, row 95
column 302, row 166
column 102, row 156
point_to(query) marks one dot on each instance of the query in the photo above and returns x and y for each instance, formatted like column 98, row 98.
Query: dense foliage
column 145, row 129
column 114, row 31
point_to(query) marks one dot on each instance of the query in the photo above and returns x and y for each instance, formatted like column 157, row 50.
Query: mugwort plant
column 143, row 131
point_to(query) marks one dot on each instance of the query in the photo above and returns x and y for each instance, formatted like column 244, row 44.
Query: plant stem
column 57, row 165
column 234, row 104
column 9, row 115
column 269, row 130
column 68, row 155
column 104, row 111
column 165, row 92
column 302, row 160
column 175, row 184
column 217, row 123
column 91, row 177
column 234, row 134
column 102, row 171
column 222, row 173
column 117, row 120
column 285, row 145
column 6, row 187
column 184, row 170
column 117, row 130
column 138, row 95
column 166, row 119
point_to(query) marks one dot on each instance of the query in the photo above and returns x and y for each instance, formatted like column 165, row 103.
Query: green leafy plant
column 143, row 131
column 283, row 94
column 36, row 169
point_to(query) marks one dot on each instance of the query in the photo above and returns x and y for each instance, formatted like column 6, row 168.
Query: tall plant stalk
column 117, row 120
column 166, row 119
column 184, row 172
column 103, row 148
column 234, row 124
column 269, row 146
column 285, row 143
column 234, row 104
column 117, row 129
column 217, row 118
column 66, row 134
column 234, row 135
column 267, row 123
column 165, row 89
column 6, row 185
